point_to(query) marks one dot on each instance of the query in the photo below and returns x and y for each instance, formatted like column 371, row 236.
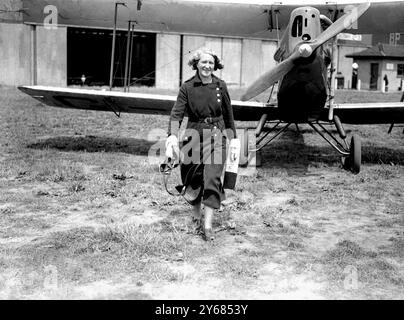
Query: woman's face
column 206, row 65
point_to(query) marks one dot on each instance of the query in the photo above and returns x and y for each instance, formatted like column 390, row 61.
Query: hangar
column 89, row 53
column 378, row 62
column 80, row 45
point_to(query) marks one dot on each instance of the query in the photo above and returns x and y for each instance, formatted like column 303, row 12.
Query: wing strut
column 113, row 106
column 392, row 125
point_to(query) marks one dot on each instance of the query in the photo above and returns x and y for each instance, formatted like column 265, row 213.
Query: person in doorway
column 386, row 82
column 204, row 98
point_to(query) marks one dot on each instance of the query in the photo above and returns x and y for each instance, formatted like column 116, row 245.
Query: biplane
column 305, row 75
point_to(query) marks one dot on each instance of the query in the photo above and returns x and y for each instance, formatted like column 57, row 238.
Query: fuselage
column 302, row 91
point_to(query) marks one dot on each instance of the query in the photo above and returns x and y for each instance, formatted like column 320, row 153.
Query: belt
column 208, row 120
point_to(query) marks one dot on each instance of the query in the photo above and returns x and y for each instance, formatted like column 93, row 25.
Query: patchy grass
column 151, row 240
column 82, row 255
column 352, row 268
column 57, row 172
column 238, row 270
column 83, row 213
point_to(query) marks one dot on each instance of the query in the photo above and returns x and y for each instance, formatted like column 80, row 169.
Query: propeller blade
column 269, row 78
column 342, row 23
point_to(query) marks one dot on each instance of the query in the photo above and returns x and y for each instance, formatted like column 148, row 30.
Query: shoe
column 208, row 234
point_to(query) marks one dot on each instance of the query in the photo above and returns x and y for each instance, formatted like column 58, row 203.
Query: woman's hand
column 172, row 147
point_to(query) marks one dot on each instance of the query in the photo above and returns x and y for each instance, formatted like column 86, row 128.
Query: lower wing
column 370, row 113
column 118, row 102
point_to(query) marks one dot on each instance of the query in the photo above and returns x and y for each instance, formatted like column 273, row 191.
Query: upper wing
column 173, row 16
column 210, row 17
column 131, row 102
column 101, row 100
column 370, row 113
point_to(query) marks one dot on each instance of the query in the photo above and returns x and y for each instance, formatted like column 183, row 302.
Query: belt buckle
column 208, row 120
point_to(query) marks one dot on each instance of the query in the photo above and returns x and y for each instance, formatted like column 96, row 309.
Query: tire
column 244, row 148
column 355, row 155
column 258, row 159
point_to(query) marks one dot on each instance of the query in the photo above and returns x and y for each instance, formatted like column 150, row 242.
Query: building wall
column 364, row 73
column 51, row 62
column 190, row 45
column 344, row 64
column 16, row 54
column 251, row 61
column 268, row 50
column 167, row 62
column 394, row 81
column 231, row 72
column 244, row 59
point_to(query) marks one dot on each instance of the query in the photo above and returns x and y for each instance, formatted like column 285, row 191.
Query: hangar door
column 89, row 54
column 374, row 76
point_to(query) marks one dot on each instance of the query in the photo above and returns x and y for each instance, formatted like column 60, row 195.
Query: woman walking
column 205, row 100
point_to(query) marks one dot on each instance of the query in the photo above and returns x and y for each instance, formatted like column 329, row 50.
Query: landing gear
column 258, row 158
column 245, row 153
column 353, row 161
column 244, row 148
column 339, row 127
column 351, row 153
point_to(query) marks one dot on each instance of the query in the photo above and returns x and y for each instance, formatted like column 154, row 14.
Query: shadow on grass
column 96, row 144
column 291, row 153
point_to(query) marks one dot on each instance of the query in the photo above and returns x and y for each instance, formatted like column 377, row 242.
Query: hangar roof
column 380, row 51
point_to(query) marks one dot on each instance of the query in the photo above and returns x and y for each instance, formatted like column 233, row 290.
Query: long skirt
column 202, row 168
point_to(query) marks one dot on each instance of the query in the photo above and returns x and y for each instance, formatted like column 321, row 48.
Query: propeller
column 303, row 51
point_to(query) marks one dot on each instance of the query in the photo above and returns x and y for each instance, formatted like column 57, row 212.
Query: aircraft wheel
column 356, row 154
column 353, row 161
column 243, row 148
column 258, row 159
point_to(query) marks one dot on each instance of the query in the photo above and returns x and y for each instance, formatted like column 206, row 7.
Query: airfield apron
column 210, row 123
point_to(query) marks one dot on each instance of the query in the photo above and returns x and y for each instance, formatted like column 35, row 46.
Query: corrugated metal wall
column 33, row 54
column 244, row 60
column 51, row 56
column 167, row 61
column 15, row 54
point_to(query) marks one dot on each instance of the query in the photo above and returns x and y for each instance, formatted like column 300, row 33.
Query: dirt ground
column 84, row 214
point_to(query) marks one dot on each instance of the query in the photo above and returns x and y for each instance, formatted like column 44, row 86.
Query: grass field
column 84, row 214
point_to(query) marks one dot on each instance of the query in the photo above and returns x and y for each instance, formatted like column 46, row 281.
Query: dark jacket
column 200, row 101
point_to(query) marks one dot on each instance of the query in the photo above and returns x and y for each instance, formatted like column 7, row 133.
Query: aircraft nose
column 305, row 50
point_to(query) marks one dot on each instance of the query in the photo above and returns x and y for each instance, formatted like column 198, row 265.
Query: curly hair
column 197, row 56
